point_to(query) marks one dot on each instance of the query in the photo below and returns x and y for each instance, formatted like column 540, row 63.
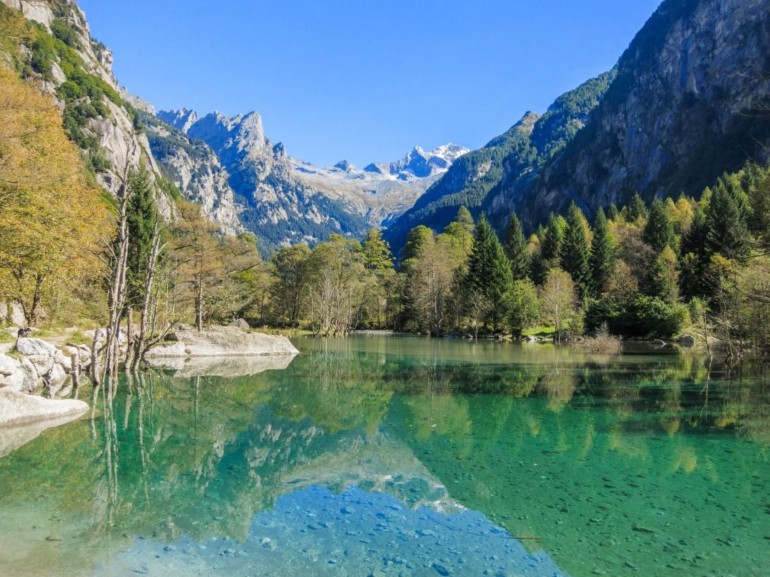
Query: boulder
column 31, row 378
column 18, row 409
column 177, row 350
column 35, row 347
column 54, row 381
column 42, row 363
column 11, row 376
column 223, row 342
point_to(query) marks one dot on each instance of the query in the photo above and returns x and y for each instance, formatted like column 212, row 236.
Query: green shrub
column 639, row 316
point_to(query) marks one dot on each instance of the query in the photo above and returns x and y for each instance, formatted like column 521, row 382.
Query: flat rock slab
column 19, row 409
column 223, row 342
column 229, row 366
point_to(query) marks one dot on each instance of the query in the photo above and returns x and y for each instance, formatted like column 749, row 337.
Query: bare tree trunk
column 129, row 336
column 75, row 360
column 199, row 306
column 117, row 291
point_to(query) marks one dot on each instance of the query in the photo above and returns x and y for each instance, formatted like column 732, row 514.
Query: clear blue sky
column 364, row 80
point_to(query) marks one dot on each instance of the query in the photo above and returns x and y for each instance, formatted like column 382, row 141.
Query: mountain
column 241, row 180
column 381, row 192
column 691, row 100
column 285, row 200
column 54, row 50
column 688, row 100
column 475, row 178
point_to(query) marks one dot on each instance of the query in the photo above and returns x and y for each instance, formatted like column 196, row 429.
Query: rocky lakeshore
column 37, row 377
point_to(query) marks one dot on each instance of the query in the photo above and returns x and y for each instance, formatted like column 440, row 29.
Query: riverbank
column 39, row 375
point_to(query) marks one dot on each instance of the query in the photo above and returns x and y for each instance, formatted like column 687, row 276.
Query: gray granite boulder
column 223, row 342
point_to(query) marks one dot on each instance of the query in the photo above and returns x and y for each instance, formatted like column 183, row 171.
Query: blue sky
column 364, row 80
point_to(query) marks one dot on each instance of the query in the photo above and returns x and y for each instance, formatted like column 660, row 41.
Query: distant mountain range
column 688, row 100
column 281, row 199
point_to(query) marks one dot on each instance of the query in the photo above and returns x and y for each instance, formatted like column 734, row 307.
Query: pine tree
column 551, row 239
column 726, row 227
column 659, row 231
column 489, row 273
column 376, row 250
column 612, row 212
column 636, row 209
column 663, row 280
column 142, row 219
column 465, row 219
column 575, row 251
column 602, row 260
column 516, row 248
column 417, row 237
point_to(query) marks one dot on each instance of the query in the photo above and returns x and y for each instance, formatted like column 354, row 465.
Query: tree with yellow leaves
column 52, row 219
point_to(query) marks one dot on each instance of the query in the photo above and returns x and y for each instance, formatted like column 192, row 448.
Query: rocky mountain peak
column 344, row 166
column 181, row 119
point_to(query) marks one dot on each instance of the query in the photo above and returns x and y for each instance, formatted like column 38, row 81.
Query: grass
column 539, row 332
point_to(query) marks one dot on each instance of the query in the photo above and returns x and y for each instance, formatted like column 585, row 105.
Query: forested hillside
column 479, row 179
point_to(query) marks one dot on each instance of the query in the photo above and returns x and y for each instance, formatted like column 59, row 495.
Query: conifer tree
column 602, row 260
column 725, row 224
column 142, row 219
column 465, row 219
column 516, row 248
column 376, row 250
column 550, row 248
column 659, row 230
column 612, row 212
column 489, row 273
column 636, row 209
column 415, row 240
column 575, row 251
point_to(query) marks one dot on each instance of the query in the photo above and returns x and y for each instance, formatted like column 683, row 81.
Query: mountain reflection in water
column 637, row 464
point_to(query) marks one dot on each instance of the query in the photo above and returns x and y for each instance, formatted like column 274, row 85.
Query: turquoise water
column 405, row 456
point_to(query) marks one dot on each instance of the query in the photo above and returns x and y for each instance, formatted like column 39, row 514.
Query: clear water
column 405, row 456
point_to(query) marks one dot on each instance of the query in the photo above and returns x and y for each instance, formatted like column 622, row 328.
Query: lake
column 404, row 456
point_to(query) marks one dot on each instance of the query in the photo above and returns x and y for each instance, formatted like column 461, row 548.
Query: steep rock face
column 109, row 125
column 195, row 170
column 274, row 204
column 284, row 200
column 691, row 100
column 480, row 180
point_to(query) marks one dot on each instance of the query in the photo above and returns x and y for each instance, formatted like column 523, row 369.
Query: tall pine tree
column 636, row 209
column 726, row 226
column 142, row 218
column 659, row 230
column 516, row 248
column 602, row 260
column 489, row 273
column 575, row 251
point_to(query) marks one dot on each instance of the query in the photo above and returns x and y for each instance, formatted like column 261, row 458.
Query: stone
column 240, row 324
column 35, row 347
column 223, row 342
column 8, row 366
column 11, row 376
column 57, row 377
column 20, row 409
column 42, row 363
column 31, row 378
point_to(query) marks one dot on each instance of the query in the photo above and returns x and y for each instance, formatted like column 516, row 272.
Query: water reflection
column 605, row 463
